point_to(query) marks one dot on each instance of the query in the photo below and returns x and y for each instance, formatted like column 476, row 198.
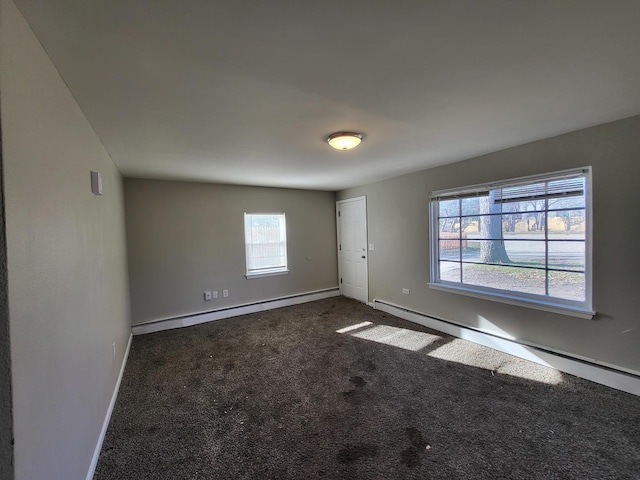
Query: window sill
column 251, row 276
column 558, row 308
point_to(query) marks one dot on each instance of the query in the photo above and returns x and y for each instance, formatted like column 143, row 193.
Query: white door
column 352, row 248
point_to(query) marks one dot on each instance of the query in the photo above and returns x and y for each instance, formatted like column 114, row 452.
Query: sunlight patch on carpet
column 457, row 350
column 351, row 328
column 397, row 337
column 475, row 355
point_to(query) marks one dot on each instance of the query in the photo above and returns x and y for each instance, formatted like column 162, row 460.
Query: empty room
column 319, row 240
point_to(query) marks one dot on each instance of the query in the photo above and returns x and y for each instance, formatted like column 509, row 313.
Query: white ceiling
column 246, row 91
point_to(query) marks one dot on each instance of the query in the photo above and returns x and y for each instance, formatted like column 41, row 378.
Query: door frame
column 338, row 249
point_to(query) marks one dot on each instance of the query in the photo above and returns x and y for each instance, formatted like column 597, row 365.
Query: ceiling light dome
column 344, row 140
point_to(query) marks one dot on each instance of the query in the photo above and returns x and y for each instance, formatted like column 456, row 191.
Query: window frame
column 582, row 309
column 251, row 273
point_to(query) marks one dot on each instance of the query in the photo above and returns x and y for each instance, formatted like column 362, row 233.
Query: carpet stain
column 370, row 367
column 355, row 396
column 416, row 438
column 359, row 382
column 411, row 456
column 351, row 453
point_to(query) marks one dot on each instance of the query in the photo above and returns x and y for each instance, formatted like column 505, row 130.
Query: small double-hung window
column 265, row 244
column 524, row 241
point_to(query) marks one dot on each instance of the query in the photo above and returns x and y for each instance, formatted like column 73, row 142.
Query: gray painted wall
column 185, row 238
column 66, row 254
column 6, row 418
column 398, row 223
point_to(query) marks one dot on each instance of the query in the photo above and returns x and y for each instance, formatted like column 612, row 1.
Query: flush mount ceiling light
column 344, row 140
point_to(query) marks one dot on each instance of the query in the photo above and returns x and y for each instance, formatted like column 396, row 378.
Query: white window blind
column 564, row 187
column 265, row 243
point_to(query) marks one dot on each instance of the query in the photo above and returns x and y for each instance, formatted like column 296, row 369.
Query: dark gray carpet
column 281, row 395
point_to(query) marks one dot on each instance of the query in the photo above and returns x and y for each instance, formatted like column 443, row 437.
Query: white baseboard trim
column 107, row 418
column 609, row 375
column 235, row 311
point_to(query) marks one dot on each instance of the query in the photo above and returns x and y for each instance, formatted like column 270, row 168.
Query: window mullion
column 460, row 237
column 546, row 243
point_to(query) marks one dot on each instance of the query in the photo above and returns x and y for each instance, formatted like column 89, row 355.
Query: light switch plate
column 96, row 183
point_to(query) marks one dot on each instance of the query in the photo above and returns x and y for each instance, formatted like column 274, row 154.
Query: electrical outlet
column 207, row 295
column 372, row 247
column 225, row 293
column 114, row 349
column 406, row 291
column 214, row 294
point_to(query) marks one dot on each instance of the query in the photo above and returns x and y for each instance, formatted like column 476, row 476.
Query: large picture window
column 265, row 243
column 524, row 241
